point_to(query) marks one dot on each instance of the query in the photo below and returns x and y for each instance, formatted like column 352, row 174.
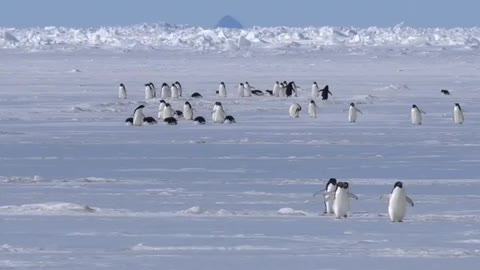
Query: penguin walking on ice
column 283, row 89
column 160, row 108
column 247, row 90
column 325, row 92
column 222, row 90
column 218, row 114
column 122, row 91
column 294, row 110
column 179, row 87
column 187, row 111
column 241, row 90
column 276, row 89
column 315, row 90
column 352, row 113
column 312, row 109
column 341, row 200
column 328, row 194
column 397, row 204
column 139, row 118
column 416, row 115
column 291, row 89
column 458, row 114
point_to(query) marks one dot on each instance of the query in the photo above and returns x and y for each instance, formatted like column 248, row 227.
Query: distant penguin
column 330, row 190
column 416, row 115
column 160, row 108
column 170, row 121
column 218, row 114
column 325, row 92
column 341, row 203
column 270, row 92
column 229, row 119
column 122, row 91
column 315, row 90
column 291, row 89
column 241, row 90
column 174, row 91
column 187, row 111
column 352, row 113
column 222, row 90
column 148, row 91
column 154, row 90
column 294, row 110
column 457, row 114
column 179, row 87
column 247, row 89
column 312, row 109
column 177, row 114
column 167, row 111
column 276, row 89
column 397, row 204
column 283, row 89
column 165, row 91
column 445, row 92
column 199, row 120
column 257, row 92
column 139, row 118
column 196, row 95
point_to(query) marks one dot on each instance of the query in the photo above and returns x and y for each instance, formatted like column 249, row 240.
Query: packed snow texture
column 164, row 36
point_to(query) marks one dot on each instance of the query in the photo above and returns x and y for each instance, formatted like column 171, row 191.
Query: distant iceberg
column 229, row 22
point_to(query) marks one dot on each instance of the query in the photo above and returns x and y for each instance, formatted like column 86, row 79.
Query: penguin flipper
column 409, row 201
column 316, row 193
column 353, row 196
column 329, row 196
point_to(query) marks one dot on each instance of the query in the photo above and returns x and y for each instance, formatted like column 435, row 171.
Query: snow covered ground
column 81, row 190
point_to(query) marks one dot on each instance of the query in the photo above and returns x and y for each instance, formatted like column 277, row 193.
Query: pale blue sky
column 362, row 13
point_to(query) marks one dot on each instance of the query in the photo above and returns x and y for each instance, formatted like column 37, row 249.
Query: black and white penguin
column 139, row 118
column 458, row 114
column 247, row 89
column 196, row 95
column 445, row 92
column 294, row 110
column 276, row 89
column 325, row 92
column 154, row 90
column 199, row 120
column 416, row 115
column 330, row 189
column 187, row 111
column 178, row 114
column 179, row 87
column 222, row 90
column 122, row 91
column 229, row 119
column 312, row 109
column 397, row 204
column 241, row 90
column 174, row 91
column 291, row 89
column 257, row 92
column 167, row 111
column 218, row 114
column 148, row 91
column 165, row 91
column 341, row 204
column 170, row 121
column 315, row 90
column 352, row 113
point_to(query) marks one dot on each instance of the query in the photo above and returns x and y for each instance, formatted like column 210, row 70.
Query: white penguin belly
column 222, row 91
column 329, row 203
column 341, row 205
column 148, row 93
column 122, row 93
column 397, row 206
column 138, row 118
column 187, row 113
column 416, row 117
column 352, row 115
column 312, row 110
column 218, row 115
column 457, row 116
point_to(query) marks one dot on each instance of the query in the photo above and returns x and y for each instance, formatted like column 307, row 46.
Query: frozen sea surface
column 81, row 190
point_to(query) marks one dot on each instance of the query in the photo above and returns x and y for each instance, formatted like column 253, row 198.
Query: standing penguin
column 294, row 110
column 139, row 118
column 167, row 111
column 325, row 91
column 241, row 90
column 283, row 89
column 122, row 91
column 276, row 89
column 174, row 91
column 148, row 91
column 222, row 90
column 416, row 115
column 315, row 90
column 247, row 90
column 397, row 205
column 291, row 89
column 457, row 114
column 330, row 189
column 312, row 109
column 341, row 203
column 187, row 111
column 352, row 113
column 218, row 114
column 154, row 90
column 160, row 108
column 165, row 91
column 179, row 87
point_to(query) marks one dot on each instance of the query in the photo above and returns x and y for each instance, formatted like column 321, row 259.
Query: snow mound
column 291, row 212
column 50, row 208
column 166, row 36
column 195, row 210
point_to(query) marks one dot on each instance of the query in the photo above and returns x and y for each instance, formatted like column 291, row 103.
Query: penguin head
column 340, row 185
column 168, row 105
column 164, row 84
column 315, row 83
column 414, row 106
column 246, row 83
column 177, row 83
column 312, row 102
column 458, row 105
column 151, row 84
column 276, row 82
column 332, row 181
column 140, row 107
column 173, row 85
column 147, row 84
column 122, row 85
column 345, row 185
column 352, row 104
column 162, row 101
column 241, row 84
column 222, row 83
column 398, row 184
column 218, row 103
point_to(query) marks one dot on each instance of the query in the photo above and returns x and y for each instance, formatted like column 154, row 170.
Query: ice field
column 81, row 190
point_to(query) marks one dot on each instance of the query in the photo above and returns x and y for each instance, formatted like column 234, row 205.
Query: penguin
column 324, row 92
column 154, row 90
column 129, row 121
column 222, row 90
column 329, row 189
column 247, row 90
column 270, row 92
column 167, row 111
column 229, row 120
column 457, row 114
column 148, row 91
column 196, row 95
column 445, row 92
column 283, row 89
column 352, row 113
column 187, row 111
column 122, row 92
column 165, row 91
column 139, row 118
column 341, row 203
column 312, row 109
column 170, row 121
column 160, row 108
column 294, row 110
column 178, row 114
column 218, row 114
column 241, row 90
column 199, row 120
column 276, row 89
column 291, row 89
column 174, row 91
column 315, row 90
column 416, row 115
column 149, row 120
column 179, row 87
column 397, row 204
column 257, row 92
